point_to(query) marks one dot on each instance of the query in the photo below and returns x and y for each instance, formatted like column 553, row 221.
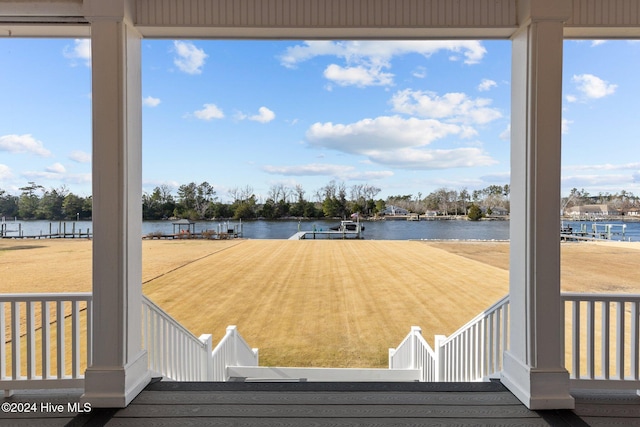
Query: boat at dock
column 348, row 225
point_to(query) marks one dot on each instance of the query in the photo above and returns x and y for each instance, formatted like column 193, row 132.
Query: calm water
column 374, row 230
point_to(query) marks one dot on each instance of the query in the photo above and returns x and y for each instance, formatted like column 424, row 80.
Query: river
column 374, row 230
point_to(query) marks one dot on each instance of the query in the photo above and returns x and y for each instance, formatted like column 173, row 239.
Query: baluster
column 491, row 341
column 575, row 340
column 591, row 340
column 15, row 340
column 46, row 339
column 635, row 340
column 3, row 349
column 620, row 340
column 75, row 339
column 61, row 338
column 605, row 340
column 31, row 340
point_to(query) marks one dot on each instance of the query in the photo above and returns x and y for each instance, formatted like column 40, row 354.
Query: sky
column 408, row 117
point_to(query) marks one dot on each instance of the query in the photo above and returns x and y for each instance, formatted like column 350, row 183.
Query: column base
column 537, row 388
column 116, row 387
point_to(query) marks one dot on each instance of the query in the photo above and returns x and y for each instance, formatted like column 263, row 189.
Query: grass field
column 318, row 303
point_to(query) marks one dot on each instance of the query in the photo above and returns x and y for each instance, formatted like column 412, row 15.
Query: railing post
column 207, row 361
column 415, row 331
column 232, row 332
column 440, row 362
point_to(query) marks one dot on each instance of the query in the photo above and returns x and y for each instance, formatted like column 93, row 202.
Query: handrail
column 30, row 355
column 172, row 349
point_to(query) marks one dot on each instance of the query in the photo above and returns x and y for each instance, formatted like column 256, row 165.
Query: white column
column 533, row 366
column 119, row 369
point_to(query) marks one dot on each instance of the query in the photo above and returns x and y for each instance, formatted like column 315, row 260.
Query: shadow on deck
column 335, row 404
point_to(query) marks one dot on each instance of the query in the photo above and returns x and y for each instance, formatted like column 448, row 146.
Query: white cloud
column 209, row 112
column 602, row 177
column 23, row 144
column 452, row 107
column 604, row 167
column 313, row 169
column 150, row 101
column 80, row 157
column 385, row 133
column 565, row 125
column 57, row 168
column 81, row 50
column 593, row 87
column 420, row 72
column 472, row 50
column 319, row 169
column 501, row 177
column 424, row 159
column 189, row 58
column 368, row 175
column 399, row 142
column 506, row 134
column 360, row 76
column 5, row 172
column 264, row 115
column 597, row 42
column 366, row 60
column 571, row 98
column 597, row 183
column 83, row 178
column 486, row 84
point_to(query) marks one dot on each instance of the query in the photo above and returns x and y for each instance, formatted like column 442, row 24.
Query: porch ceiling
column 318, row 19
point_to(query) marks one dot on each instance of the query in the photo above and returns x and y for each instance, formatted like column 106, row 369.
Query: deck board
column 335, row 404
column 304, row 398
column 323, row 410
column 321, row 422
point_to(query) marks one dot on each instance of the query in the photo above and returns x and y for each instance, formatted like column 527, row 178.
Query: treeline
column 334, row 200
column 36, row 202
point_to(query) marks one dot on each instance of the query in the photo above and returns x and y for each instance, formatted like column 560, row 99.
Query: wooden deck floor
column 335, row 404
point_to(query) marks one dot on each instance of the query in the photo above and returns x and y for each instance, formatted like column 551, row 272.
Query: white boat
column 348, row 226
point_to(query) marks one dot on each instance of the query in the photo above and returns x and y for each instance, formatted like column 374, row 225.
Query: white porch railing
column 177, row 354
column 602, row 340
column 36, row 345
column 232, row 350
column 415, row 353
column 472, row 353
column 602, row 344
column 39, row 352
column 173, row 351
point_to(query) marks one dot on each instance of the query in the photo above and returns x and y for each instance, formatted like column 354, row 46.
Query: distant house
column 393, row 210
column 495, row 211
column 431, row 213
column 592, row 211
column 633, row 212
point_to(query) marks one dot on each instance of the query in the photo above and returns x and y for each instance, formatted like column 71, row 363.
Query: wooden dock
column 326, row 234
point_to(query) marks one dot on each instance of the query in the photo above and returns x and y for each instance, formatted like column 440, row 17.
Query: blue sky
column 407, row 117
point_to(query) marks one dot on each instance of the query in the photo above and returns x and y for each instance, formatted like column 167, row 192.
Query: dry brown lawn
column 317, row 303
